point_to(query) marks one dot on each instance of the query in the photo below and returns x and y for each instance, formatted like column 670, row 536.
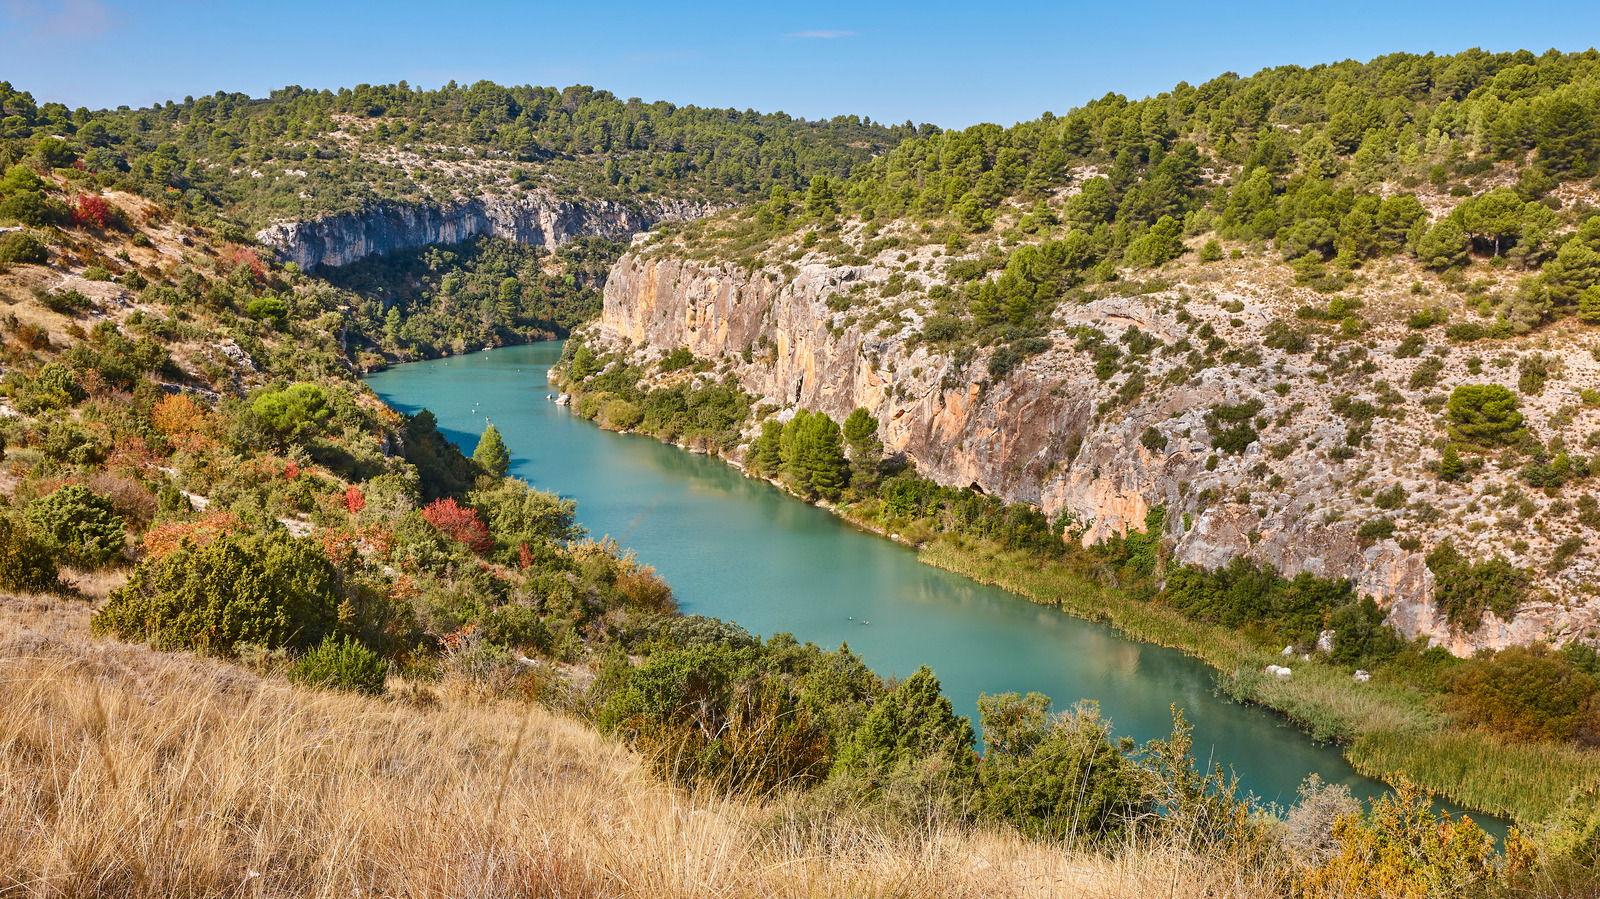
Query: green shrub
column 1153, row 440
column 1162, row 242
column 1484, row 415
column 1426, row 373
column 941, row 327
column 1376, row 529
column 53, row 386
column 23, row 248
column 1056, row 776
column 77, row 524
column 1451, row 466
column 680, row 357
column 1426, row 318
column 1361, row 638
column 341, row 663
column 1534, row 371
column 1524, row 693
column 621, row 415
column 705, row 714
column 25, row 564
column 294, row 413
column 271, row 310
column 518, row 515
column 1284, row 336
column 269, row 590
column 65, row 302
column 1231, row 430
column 1543, row 472
column 1211, row 251
column 491, row 452
column 1463, row 589
column 1393, row 498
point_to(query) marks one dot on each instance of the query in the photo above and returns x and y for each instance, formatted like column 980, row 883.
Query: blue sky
column 953, row 64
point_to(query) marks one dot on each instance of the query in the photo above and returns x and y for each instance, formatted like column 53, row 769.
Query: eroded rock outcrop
column 527, row 218
column 1042, row 434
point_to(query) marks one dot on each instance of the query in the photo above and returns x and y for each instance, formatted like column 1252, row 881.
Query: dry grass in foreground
column 125, row 772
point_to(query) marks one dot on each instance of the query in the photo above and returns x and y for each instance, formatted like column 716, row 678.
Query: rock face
column 1039, row 434
column 529, row 219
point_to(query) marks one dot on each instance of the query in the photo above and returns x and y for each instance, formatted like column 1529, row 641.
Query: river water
column 741, row 550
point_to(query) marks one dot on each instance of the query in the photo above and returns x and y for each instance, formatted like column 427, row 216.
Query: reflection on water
column 739, row 549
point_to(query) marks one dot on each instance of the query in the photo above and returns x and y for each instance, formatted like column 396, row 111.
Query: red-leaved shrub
column 237, row 256
column 93, row 210
column 459, row 522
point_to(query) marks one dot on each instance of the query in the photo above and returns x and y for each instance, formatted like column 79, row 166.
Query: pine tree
column 764, row 457
column 861, row 432
column 1451, row 466
column 822, row 458
column 491, row 452
column 1589, row 304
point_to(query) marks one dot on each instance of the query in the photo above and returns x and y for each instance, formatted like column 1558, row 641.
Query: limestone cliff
column 1045, row 433
column 534, row 218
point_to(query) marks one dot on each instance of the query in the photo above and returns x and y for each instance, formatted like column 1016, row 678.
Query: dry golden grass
column 125, row 772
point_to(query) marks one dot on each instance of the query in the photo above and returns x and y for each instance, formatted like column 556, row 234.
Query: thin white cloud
column 824, row 34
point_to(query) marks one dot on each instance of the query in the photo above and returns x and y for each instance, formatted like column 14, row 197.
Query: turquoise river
column 740, row 549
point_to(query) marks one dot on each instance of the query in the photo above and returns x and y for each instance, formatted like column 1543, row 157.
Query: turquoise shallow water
column 741, row 550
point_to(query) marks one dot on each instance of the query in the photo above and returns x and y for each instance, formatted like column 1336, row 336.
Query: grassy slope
column 1388, row 730
column 133, row 773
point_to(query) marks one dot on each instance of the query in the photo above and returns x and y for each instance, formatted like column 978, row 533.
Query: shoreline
column 1385, row 731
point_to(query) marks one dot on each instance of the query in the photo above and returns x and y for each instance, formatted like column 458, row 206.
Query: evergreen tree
column 1589, row 304
column 789, row 437
column 491, row 452
column 820, row 465
column 765, row 457
column 914, row 723
column 1451, row 466
column 1443, row 246
column 861, row 432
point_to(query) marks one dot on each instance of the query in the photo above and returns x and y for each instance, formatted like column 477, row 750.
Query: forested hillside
column 1336, row 165
column 1343, row 312
column 302, row 153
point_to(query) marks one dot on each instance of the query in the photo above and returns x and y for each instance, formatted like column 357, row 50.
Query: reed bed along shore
column 130, row 773
column 1386, row 730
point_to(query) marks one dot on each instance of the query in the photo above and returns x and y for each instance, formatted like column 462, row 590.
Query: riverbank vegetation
column 1520, row 727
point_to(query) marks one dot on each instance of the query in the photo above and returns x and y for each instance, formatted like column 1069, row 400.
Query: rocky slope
column 1053, row 434
column 529, row 218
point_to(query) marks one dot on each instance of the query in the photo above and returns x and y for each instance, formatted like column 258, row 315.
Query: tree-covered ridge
column 1362, row 120
column 300, row 153
column 1445, row 160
